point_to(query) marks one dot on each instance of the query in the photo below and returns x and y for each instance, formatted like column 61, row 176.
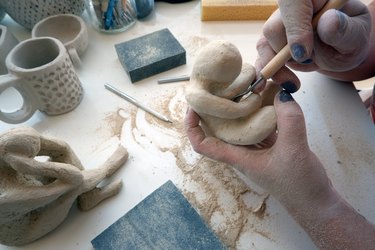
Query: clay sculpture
column 40, row 179
column 218, row 75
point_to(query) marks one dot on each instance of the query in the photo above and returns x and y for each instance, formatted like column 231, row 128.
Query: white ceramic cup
column 41, row 71
column 7, row 43
column 70, row 29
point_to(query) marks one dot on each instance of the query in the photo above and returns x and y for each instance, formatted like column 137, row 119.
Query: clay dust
column 216, row 190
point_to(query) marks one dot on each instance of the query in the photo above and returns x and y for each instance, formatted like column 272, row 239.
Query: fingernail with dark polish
column 284, row 96
column 308, row 61
column 289, row 86
column 298, row 51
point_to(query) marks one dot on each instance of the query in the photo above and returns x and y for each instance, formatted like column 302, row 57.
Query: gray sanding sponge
column 163, row 220
column 150, row 54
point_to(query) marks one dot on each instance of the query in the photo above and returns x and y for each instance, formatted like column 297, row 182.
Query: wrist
column 315, row 208
column 334, row 224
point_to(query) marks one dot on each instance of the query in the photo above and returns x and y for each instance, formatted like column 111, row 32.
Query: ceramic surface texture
column 41, row 70
column 28, row 12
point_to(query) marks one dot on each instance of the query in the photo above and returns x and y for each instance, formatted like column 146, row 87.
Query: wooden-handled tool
column 284, row 54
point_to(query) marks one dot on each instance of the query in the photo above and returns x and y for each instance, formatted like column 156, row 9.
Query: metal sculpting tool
column 135, row 102
column 284, row 54
column 174, row 79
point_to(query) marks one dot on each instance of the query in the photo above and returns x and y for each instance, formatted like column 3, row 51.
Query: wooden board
column 217, row 10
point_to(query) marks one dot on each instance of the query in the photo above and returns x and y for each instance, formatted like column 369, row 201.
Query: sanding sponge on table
column 150, row 54
column 217, row 10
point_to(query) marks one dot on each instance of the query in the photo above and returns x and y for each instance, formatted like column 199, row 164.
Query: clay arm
column 204, row 102
column 35, row 196
column 241, row 83
column 18, row 201
column 59, row 151
column 61, row 171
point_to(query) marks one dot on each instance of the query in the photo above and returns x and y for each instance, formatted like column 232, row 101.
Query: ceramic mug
column 70, row 29
column 7, row 42
column 41, row 71
column 28, row 12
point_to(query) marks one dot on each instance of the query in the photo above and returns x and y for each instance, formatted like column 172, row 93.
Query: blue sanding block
column 150, row 54
column 163, row 220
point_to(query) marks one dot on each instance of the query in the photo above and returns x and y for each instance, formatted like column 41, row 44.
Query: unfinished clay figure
column 219, row 75
column 36, row 194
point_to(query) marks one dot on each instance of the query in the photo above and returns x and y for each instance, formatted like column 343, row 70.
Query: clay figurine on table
column 36, row 195
column 218, row 75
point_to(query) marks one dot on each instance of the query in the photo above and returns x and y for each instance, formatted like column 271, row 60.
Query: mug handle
column 74, row 57
column 27, row 109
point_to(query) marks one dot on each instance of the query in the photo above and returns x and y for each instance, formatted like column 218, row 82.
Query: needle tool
column 135, row 102
column 174, row 79
column 284, row 54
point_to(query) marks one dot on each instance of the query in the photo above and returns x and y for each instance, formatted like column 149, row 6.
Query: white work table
column 339, row 129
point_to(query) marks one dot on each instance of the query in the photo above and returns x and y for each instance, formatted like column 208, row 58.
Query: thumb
column 290, row 121
column 346, row 34
column 349, row 27
column 297, row 21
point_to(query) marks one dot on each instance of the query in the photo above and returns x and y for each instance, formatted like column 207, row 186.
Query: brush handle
column 283, row 56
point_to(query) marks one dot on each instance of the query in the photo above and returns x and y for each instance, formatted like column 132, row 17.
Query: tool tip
column 255, row 84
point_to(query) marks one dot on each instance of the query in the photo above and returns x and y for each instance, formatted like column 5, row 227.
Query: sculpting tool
column 284, row 54
column 174, row 79
column 135, row 102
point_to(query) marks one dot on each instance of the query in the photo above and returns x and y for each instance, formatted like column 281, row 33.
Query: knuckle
column 262, row 43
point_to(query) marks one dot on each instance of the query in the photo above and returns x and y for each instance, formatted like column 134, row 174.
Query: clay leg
column 92, row 198
column 93, row 177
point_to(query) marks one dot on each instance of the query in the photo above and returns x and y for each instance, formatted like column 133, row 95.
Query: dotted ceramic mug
column 41, row 71
column 70, row 29
column 7, row 43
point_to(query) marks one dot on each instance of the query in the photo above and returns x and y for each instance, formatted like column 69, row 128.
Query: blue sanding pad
column 163, row 220
column 150, row 54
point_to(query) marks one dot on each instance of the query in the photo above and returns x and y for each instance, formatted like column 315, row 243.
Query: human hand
column 284, row 165
column 340, row 43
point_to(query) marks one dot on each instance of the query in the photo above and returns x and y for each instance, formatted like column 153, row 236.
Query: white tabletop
column 339, row 130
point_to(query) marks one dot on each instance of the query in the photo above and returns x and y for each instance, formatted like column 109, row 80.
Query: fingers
column 343, row 34
column 290, row 123
column 241, row 157
column 209, row 146
column 285, row 77
column 193, row 130
column 297, row 21
column 274, row 31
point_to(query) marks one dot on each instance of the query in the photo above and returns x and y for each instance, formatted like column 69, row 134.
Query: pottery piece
column 41, row 71
column 70, row 29
column 2, row 14
column 144, row 8
column 28, row 12
column 218, row 75
column 7, row 42
column 36, row 195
